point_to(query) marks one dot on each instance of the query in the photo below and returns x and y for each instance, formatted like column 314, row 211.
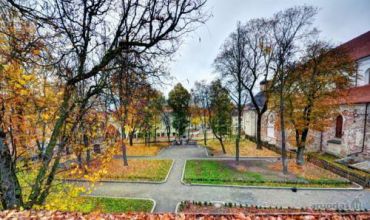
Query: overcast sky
column 338, row 21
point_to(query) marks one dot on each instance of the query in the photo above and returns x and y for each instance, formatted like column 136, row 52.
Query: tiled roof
column 358, row 47
column 260, row 99
column 357, row 95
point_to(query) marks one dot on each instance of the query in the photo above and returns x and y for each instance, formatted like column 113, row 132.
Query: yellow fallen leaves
column 247, row 149
column 142, row 150
column 306, row 171
column 138, row 169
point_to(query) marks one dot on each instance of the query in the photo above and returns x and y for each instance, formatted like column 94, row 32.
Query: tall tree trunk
column 10, row 189
column 205, row 135
column 68, row 152
column 124, row 153
column 88, row 154
column 145, row 138
column 282, row 127
column 300, row 155
column 155, row 134
column 40, row 150
column 49, row 151
column 45, row 192
column 169, row 135
column 149, row 136
column 258, row 132
column 131, row 138
column 188, row 133
column 301, row 148
column 237, row 141
column 79, row 160
column 222, row 145
column 237, row 145
column 123, row 148
column 88, row 157
column 205, row 128
column 238, row 133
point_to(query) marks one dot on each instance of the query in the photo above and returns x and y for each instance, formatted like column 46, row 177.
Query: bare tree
column 85, row 37
column 232, row 66
column 289, row 28
column 201, row 98
column 258, row 55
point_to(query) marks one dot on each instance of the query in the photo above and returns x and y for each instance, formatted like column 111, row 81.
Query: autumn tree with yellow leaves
column 28, row 99
column 78, row 40
column 314, row 86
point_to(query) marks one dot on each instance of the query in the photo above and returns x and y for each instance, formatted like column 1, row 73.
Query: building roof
column 260, row 99
column 357, row 95
column 358, row 47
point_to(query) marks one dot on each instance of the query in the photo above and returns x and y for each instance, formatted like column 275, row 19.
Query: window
column 368, row 76
column 339, row 127
column 270, row 126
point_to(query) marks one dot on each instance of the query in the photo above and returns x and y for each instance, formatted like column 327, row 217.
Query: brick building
column 350, row 130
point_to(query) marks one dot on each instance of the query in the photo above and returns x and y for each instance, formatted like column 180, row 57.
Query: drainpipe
column 365, row 123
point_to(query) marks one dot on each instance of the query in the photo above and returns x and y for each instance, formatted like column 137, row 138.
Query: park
column 166, row 110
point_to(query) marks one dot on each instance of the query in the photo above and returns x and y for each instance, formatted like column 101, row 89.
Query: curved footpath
column 168, row 194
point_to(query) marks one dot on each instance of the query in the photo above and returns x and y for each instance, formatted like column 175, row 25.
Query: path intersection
column 167, row 195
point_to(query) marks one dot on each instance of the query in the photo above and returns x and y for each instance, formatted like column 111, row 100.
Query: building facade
column 349, row 132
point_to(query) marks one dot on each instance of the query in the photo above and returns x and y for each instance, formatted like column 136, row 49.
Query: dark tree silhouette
column 232, row 66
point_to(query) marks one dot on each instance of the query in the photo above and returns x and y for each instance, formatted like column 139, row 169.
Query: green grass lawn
column 257, row 173
column 112, row 205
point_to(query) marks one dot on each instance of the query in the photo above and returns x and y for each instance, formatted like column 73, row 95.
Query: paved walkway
column 168, row 194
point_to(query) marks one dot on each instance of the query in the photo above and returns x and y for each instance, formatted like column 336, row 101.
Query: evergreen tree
column 178, row 100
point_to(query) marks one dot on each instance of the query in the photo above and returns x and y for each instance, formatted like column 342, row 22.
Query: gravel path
column 168, row 194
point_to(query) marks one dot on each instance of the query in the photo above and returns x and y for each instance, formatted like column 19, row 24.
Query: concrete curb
column 133, row 198
column 233, row 158
column 169, row 171
column 126, row 181
column 358, row 188
column 244, row 157
column 183, row 174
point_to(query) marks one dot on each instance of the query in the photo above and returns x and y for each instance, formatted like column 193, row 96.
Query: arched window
column 339, row 127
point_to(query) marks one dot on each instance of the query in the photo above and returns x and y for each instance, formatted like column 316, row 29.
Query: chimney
column 263, row 85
